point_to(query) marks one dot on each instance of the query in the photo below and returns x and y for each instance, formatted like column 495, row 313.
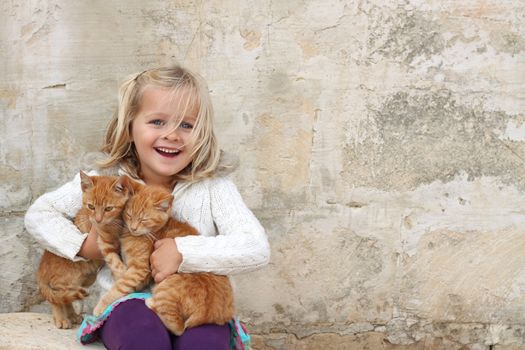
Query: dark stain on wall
column 508, row 42
column 402, row 35
column 423, row 136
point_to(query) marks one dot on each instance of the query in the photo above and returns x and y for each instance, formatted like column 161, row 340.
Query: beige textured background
column 381, row 145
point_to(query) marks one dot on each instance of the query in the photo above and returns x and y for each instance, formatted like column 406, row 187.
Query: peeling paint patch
column 421, row 136
column 402, row 34
column 282, row 168
column 12, row 197
column 514, row 131
column 493, row 261
column 361, row 265
column 309, row 48
column 20, row 250
column 9, row 97
column 252, row 39
column 509, row 42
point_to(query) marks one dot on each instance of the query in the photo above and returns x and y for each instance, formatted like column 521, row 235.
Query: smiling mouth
column 167, row 152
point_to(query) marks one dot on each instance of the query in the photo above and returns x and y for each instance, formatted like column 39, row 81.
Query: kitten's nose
column 98, row 218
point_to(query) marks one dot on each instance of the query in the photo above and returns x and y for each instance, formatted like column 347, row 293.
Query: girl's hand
column 165, row 259
column 89, row 249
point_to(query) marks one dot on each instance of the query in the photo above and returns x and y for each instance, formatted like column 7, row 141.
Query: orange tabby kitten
column 135, row 250
column 182, row 300
column 108, row 199
column 62, row 281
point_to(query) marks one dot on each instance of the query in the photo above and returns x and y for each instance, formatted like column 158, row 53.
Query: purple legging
column 132, row 325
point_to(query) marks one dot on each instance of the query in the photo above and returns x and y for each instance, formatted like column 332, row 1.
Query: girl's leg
column 132, row 325
column 205, row 337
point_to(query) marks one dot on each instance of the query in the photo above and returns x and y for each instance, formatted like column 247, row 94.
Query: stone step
column 36, row 331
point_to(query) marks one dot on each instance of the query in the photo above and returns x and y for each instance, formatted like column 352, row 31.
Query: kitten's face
column 104, row 196
column 148, row 210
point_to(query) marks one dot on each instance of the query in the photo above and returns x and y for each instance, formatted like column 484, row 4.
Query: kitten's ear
column 165, row 203
column 129, row 185
column 85, row 181
column 120, row 185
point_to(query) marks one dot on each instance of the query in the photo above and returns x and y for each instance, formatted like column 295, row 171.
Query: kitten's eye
column 91, row 206
column 108, row 208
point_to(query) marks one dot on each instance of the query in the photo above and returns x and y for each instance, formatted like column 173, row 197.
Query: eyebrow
column 162, row 114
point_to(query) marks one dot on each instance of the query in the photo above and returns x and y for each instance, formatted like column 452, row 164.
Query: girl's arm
column 90, row 249
column 242, row 244
column 49, row 220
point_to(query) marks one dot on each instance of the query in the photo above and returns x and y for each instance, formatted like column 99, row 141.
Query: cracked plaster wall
column 381, row 145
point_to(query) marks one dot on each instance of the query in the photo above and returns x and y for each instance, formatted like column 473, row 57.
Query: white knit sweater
column 231, row 239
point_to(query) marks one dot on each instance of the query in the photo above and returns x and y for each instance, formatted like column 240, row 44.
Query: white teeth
column 166, row 150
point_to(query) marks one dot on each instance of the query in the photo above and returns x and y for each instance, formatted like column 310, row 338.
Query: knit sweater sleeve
column 49, row 220
column 241, row 244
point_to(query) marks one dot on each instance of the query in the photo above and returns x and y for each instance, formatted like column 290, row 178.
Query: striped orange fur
column 135, row 251
column 106, row 197
column 62, row 281
column 181, row 300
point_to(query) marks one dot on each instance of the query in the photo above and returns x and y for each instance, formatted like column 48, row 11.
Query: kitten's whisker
column 117, row 224
column 83, row 221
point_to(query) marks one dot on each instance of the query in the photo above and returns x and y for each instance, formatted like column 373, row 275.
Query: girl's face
column 162, row 149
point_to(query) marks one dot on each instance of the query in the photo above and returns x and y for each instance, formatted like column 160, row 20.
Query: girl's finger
column 159, row 277
column 158, row 243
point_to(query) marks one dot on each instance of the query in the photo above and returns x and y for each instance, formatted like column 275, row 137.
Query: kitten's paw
column 76, row 319
column 116, row 265
column 105, row 301
column 119, row 272
column 99, row 308
column 176, row 327
column 62, row 322
column 82, row 293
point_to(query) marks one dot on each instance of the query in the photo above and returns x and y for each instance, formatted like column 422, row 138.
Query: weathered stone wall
column 381, row 145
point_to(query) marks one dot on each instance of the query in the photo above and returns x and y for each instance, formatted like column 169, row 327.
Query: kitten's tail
column 62, row 294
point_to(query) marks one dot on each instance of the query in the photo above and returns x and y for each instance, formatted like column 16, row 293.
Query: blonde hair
column 121, row 151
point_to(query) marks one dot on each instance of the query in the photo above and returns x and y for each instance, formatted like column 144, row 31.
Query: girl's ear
column 130, row 133
column 86, row 182
column 165, row 203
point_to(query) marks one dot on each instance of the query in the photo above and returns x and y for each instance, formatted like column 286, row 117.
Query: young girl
column 162, row 134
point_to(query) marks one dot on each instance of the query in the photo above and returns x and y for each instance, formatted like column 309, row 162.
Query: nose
column 173, row 135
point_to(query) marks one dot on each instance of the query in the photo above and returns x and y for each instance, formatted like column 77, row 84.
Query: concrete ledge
column 36, row 331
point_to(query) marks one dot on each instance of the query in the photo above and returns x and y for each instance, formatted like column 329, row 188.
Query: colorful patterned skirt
column 87, row 333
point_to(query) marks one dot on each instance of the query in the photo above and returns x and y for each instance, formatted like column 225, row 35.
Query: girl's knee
column 205, row 337
column 139, row 339
column 133, row 326
column 151, row 335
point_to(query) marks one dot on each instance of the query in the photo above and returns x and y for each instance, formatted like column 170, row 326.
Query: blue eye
column 157, row 122
column 185, row 125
